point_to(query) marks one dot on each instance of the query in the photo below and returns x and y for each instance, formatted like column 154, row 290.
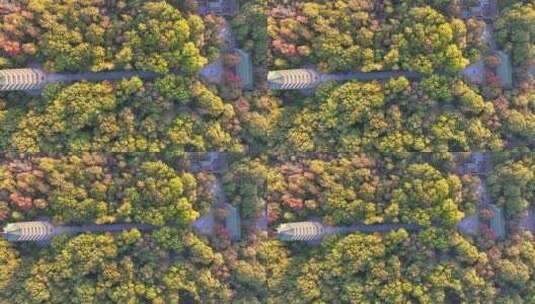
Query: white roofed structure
column 300, row 231
column 21, row 79
column 297, row 79
column 29, row 232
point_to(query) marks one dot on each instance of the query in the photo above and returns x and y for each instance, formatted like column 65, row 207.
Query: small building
column 487, row 9
column 296, row 79
column 244, row 70
column 213, row 162
column 6, row 6
column 233, row 222
column 21, row 79
column 218, row 7
column 300, row 231
column 504, row 71
column 497, row 222
column 29, row 231
column 206, row 224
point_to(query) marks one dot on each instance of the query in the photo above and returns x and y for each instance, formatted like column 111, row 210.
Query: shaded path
column 372, row 228
column 103, row 228
column 99, row 76
column 367, row 76
column 261, row 222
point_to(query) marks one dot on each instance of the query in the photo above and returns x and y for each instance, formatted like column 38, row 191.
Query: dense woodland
column 168, row 265
column 515, row 30
column 440, row 112
column 348, row 153
column 169, row 115
column 436, row 265
column 359, row 35
column 82, row 35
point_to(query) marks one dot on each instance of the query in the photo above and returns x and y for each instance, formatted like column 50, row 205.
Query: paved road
column 262, row 221
column 370, row 75
column 470, row 225
column 372, row 228
column 227, row 35
column 532, row 71
column 103, row 228
column 99, row 76
column 205, row 224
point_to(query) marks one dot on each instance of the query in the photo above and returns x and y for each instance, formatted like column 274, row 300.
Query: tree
column 515, row 31
column 174, row 87
column 10, row 262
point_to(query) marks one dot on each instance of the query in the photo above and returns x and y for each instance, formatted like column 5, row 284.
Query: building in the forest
column 206, row 225
column 487, row 9
column 233, row 222
column 213, row 162
column 40, row 231
column 29, row 231
column 314, row 231
column 300, row 231
column 218, row 7
column 497, row 222
column 21, row 79
column 244, row 69
column 504, row 71
column 297, row 79
column 6, row 6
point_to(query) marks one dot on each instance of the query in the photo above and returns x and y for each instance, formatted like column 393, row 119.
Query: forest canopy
column 169, row 121
column 351, row 35
column 153, row 36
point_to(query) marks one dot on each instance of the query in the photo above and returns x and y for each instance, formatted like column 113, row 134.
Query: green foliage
column 515, row 31
column 250, row 28
column 10, row 263
column 378, row 180
column 148, row 36
column 130, row 116
column 356, row 117
column 357, row 37
column 173, row 87
column 512, row 185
